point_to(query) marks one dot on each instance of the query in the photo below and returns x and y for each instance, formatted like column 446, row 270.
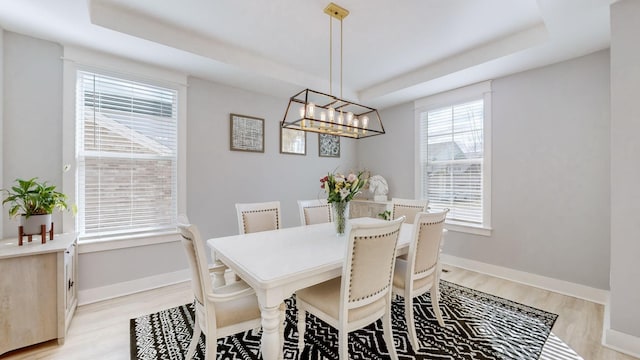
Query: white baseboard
column 617, row 340
column 559, row 286
column 89, row 296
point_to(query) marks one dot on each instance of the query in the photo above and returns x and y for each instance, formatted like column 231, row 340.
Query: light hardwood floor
column 101, row 330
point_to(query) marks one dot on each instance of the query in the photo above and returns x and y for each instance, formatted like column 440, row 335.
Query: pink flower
column 323, row 181
column 352, row 177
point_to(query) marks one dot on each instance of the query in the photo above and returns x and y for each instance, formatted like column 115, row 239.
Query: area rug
column 479, row 326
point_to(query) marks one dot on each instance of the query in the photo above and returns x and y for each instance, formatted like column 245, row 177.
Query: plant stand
column 43, row 234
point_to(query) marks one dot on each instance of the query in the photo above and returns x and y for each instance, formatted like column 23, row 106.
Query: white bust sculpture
column 378, row 186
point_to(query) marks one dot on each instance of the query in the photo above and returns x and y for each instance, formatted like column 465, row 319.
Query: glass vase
column 340, row 216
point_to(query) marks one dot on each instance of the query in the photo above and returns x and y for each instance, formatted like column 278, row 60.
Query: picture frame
column 246, row 133
column 293, row 141
column 328, row 145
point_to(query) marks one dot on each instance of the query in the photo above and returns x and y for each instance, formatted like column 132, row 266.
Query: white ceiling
column 394, row 51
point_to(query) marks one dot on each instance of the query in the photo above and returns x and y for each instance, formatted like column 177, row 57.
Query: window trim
column 457, row 96
column 81, row 59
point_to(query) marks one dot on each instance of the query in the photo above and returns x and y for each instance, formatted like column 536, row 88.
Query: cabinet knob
column 71, row 283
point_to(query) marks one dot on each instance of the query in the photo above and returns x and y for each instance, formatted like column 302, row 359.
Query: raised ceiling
column 394, row 51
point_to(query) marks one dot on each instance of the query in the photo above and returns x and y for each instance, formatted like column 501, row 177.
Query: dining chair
column 408, row 208
column 255, row 217
column 420, row 272
column 219, row 311
column 315, row 211
column 362, row 295
column 219, row 269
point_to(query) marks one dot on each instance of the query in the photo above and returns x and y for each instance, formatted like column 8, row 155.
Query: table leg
column 271, row 340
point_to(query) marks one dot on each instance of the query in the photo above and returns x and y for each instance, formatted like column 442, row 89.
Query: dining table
column 276, row 263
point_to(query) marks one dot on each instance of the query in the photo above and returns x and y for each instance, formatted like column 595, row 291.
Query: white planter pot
column 31, row 224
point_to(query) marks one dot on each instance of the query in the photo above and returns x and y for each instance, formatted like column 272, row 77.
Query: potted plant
column 35, row 202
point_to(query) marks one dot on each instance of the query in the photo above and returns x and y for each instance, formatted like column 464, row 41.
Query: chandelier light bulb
column 365, row 121
column 302, row 116
column 311, row 107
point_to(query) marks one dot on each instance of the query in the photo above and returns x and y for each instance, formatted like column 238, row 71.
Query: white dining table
column 277, row 263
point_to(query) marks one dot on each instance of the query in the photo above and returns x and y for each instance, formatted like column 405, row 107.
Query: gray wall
column 32, row 129
column 625, row 168
column 550, row 180
column 217, row 178
column 1, row 116
column 392, row 154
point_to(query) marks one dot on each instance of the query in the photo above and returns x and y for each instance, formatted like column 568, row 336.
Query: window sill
column 469, row 229
column 123, row 242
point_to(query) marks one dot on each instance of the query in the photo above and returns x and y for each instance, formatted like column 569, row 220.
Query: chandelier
column 318, row 112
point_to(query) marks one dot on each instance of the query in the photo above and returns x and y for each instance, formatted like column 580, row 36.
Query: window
column 126, row 156
column 454, row 164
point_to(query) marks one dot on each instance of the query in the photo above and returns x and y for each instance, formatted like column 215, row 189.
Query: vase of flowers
column 340, row 190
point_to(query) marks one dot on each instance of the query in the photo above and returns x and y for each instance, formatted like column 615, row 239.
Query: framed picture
column 293, row 141
column 247, row 133
column 328, row 145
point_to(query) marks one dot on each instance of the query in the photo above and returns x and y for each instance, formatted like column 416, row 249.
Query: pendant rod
column 341, row 58
column 330, row 56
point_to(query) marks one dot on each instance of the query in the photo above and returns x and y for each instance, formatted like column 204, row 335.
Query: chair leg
column 388, row 334
column 195, row 338
column 211, row 351
column 301, row 328
column 411, row 325
column 435, row 303
column 343, row 344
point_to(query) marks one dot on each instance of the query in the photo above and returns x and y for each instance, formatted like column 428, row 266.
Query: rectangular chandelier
column 314, row 111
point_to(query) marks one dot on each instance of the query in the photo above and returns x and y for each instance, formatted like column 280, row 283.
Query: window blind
column 126, row 155
column 452, row 155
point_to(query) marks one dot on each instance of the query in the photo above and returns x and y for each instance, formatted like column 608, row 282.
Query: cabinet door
column 69, row 276
column 28, row 299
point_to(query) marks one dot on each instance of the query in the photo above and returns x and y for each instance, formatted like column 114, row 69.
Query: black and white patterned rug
column 479, row 326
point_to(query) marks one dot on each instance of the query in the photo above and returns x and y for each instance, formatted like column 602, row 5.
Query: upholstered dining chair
column 255, row 217
column 362, row 295
column 314, row 211
column 408, row 208
column 219, row 311
column 420, row 272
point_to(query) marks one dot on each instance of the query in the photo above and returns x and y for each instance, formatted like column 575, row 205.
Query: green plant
column 32, row 197
column 385, row 215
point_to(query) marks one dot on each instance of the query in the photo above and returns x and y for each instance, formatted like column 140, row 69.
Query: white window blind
column 452, row 156
column 126, row 156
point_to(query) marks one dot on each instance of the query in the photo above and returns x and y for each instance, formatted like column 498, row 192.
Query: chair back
column 408, row 208
column 368, row 273
column 198, row 263
column 255, row 217
column 316, row 211
column 424, row 251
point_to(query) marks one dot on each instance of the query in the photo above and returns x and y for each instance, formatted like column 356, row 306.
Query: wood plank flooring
column 101, row 330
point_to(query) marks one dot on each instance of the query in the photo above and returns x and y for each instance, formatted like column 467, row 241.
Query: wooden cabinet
column 38, row 292
column 366, row 208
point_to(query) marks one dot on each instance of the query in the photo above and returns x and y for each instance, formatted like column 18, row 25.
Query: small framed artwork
column 293, row 141
column 328, row 145
column 247, row 133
